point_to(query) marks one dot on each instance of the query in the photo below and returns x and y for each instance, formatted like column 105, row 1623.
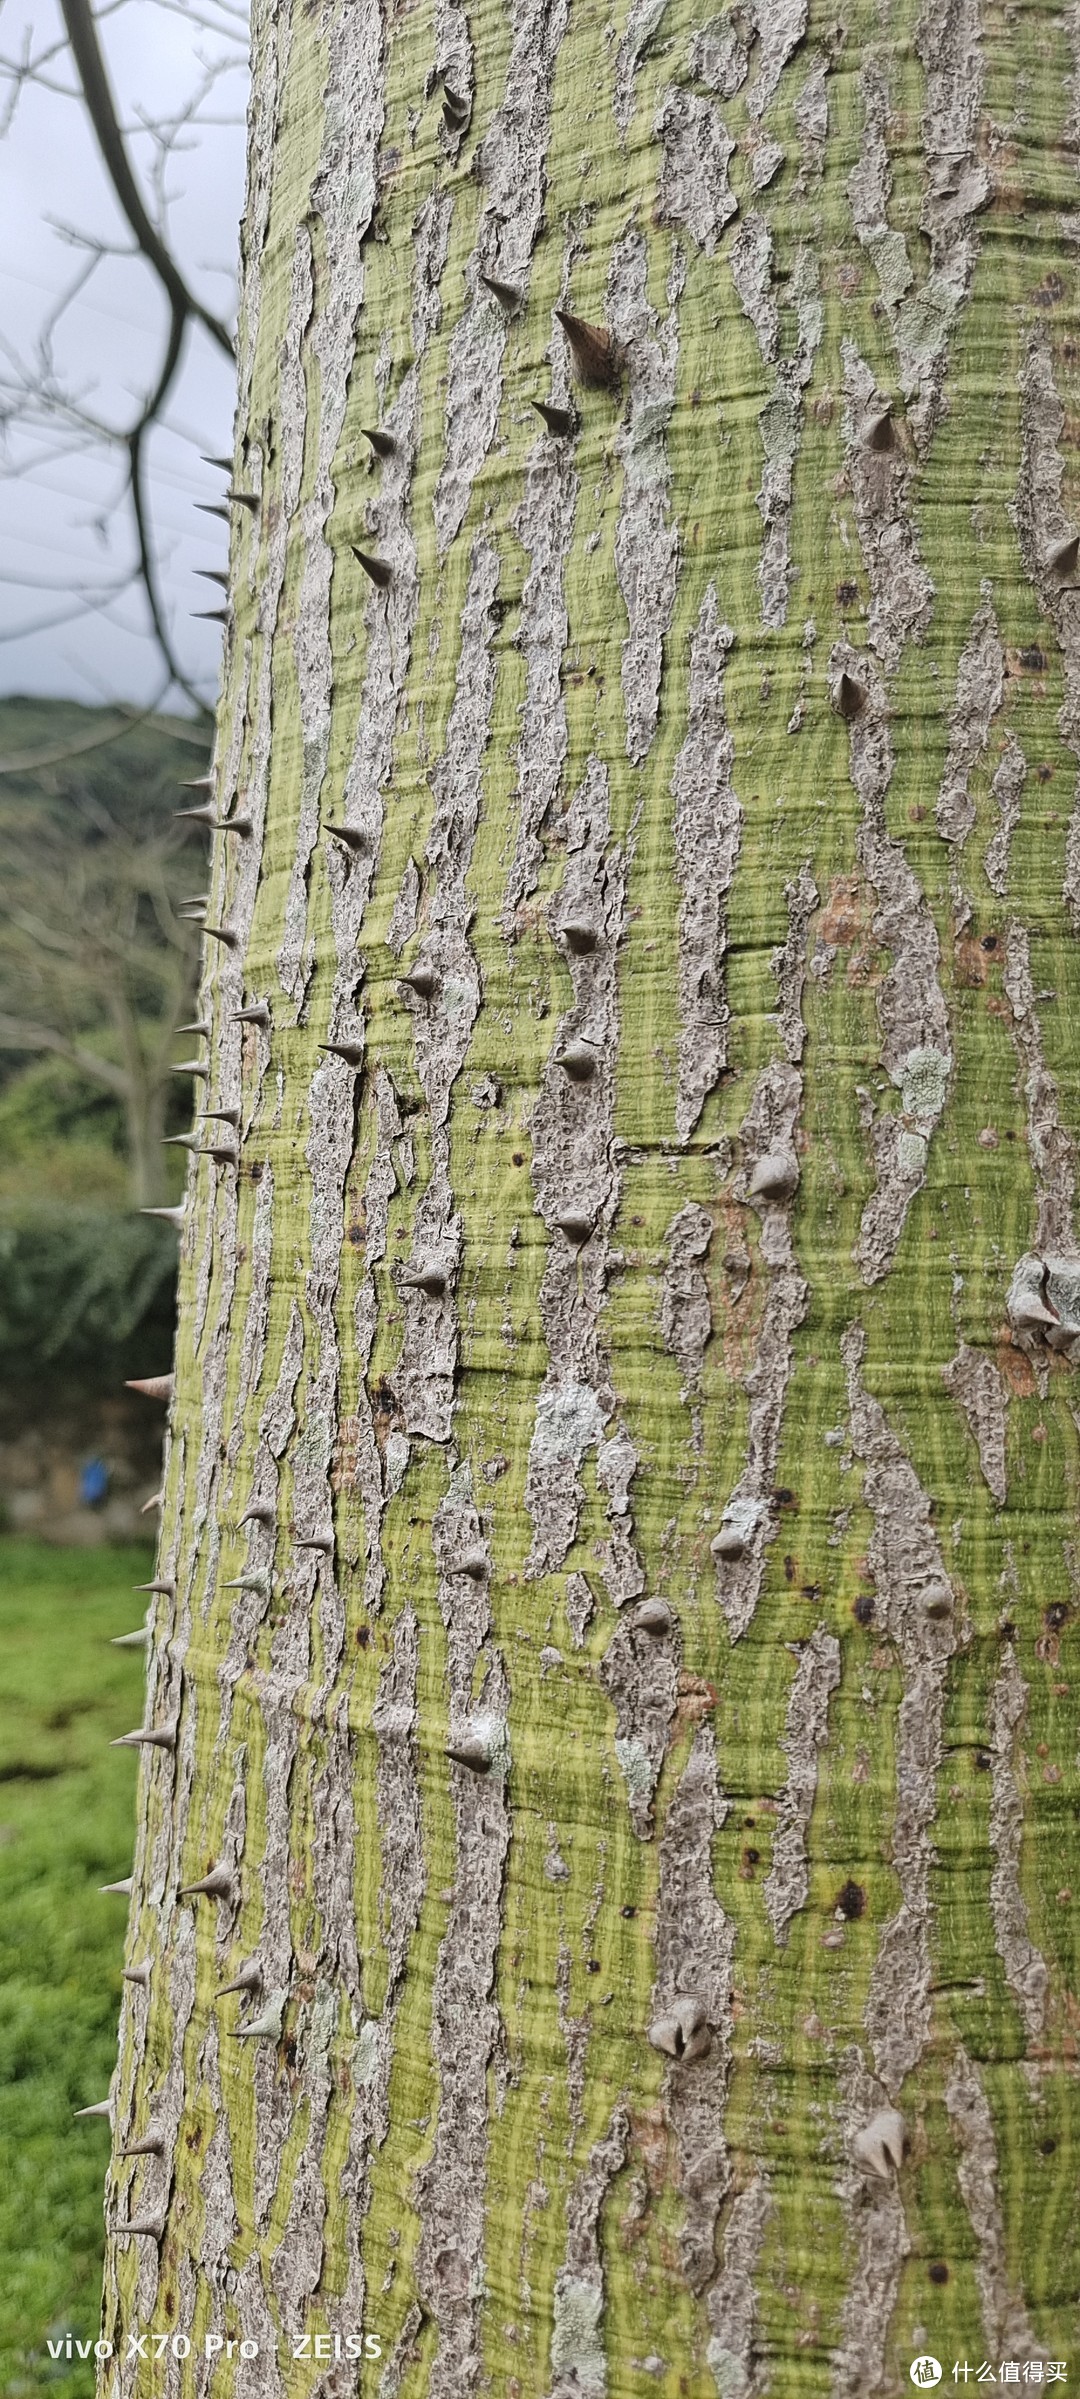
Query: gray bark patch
column 980, row 682
column 1006, row 791
column 732, row 2301
column 1053, row 1152
column 1005, row 2321
column 770, row 1125
column 906, row 1562
column 880, row 2240
column 685, row 1310
column 646, row 541
column 780, row 424
column 450, row 2188
column 1025, row 1968
column 708, row 827
column 573, row 1168
column 881, row 482
column 545, row 526
column 512, row 164
column 922, row 315
column 442, row 1027
column 640, row 1673
column 817, row 1676
column 694, row 1951
column 578, row 2362
column 978, row 1389
column 694, row 187
column 911, row 1006
column 780, row 26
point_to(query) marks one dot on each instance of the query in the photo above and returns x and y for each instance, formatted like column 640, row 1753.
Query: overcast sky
column 60, row 530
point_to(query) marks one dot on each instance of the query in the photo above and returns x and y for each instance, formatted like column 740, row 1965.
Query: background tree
column 602, row 1902
column 97, row 942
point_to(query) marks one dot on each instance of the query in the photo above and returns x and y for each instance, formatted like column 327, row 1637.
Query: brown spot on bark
column 851, row 1900
column 971, row 965
column 696, row 1699
column 650, row 2136
column 846, row 914
column 1017, row 1370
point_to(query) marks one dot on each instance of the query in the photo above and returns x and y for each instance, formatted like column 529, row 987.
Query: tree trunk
column 145, row 1105
column 618, row 1587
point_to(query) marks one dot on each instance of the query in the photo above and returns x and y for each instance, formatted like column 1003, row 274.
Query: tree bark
column 676, row 1996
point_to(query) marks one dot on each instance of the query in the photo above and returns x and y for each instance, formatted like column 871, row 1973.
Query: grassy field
column 67, row 1813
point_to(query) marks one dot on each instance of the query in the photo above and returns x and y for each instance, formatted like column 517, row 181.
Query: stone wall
column 49, row 1436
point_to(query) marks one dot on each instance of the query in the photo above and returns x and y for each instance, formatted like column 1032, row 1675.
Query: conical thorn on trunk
column 349, row 836
column 351, row 1051
column 376, row 568
column 248, row 1978
column 266, row 2027
column 471, row 1751
column 578, row 1060
column 508, row 295
column 595, row 355
column 879, row 432
column 220, row 1883
column 559, row 421
column 152, row 2144
column 149, row 1736
column 152, row 1386
column 422, row 979
column 849, row 696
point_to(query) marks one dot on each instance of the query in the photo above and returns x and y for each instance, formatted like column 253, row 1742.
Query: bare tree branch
column 90, row 66
column 17, row 1033
column 37, row 398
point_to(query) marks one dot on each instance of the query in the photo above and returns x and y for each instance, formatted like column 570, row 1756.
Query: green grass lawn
column 67, row 1823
